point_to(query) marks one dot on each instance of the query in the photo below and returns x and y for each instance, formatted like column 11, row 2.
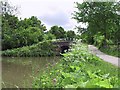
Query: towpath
column 111, row 59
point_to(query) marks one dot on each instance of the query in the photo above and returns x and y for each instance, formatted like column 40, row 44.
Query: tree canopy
column 59, row 32
column 18, row 33
column 101, row 17
column 70, row 35
column 24, row 32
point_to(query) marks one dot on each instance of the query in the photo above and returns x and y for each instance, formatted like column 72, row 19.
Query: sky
column 50, row 12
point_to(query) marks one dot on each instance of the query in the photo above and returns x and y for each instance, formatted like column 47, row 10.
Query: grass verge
column 45, row 48
column 79, row 69
column 111, row 51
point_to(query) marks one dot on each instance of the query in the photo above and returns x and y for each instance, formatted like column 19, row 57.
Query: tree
column 31, row 35
column 32, row 22
column 100, row 16
column 58, row 32
column 10, row 20
column 8, row 9
column 49, row 36
column 9, row 24
column 70, row 35
column 17, row 33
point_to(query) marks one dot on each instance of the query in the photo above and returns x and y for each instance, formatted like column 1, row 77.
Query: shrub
column 44, row 48
column 98, row 40
column 79, row 69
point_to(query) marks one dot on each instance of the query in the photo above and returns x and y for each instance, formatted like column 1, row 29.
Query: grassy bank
column 44, row 48
column 79, row 69
column 111, row 51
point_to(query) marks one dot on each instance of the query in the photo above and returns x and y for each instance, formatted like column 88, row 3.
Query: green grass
column 113, row 51
column 45, row 48
column 79, row 69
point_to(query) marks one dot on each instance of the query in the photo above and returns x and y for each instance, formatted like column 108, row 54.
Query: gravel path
column 111, row 59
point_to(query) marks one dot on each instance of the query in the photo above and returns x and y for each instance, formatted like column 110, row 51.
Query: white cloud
column 50, row 12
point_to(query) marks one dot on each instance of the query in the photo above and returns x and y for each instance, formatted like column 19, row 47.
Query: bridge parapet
column 62, row 46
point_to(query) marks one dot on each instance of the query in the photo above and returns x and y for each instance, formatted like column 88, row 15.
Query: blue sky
column 50, row 12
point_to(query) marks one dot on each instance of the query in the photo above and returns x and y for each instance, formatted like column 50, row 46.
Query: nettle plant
column 78, row 69
column 98, row 40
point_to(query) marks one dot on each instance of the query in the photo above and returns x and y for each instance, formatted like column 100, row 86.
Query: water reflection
column 19, row 71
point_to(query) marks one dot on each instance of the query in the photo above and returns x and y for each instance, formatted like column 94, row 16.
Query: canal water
column 20, row 72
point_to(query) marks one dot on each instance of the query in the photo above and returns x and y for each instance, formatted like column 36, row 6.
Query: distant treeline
column 18, row 33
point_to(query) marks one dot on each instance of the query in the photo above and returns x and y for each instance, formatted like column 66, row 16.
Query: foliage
column 86, row 37
column 17, row 33
column 31, row 22
column 111, row 50
column 101, row 17
column 32, row 35
column 9, row 24
column 49, row 36
column 79, row 69
column 98, row 39
column 70, row 35
column 44, row 48
column 58, row 32
column 77, row 36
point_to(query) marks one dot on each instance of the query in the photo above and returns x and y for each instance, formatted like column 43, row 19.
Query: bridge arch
column 62, row 46
column 64, row 49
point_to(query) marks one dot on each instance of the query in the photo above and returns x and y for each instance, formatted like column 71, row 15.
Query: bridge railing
column 65, row 39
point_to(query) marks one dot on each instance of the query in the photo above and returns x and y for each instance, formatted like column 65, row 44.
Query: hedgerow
column 45, row 48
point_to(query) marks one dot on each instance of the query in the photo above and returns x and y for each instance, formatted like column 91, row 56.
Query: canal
column 20, row 72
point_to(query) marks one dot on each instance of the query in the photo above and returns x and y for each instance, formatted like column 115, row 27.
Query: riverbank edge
column 91, row 64
column 44, row 48
column 111, row 52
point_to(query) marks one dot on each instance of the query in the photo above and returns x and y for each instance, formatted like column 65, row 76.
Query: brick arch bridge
column 62, row 46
